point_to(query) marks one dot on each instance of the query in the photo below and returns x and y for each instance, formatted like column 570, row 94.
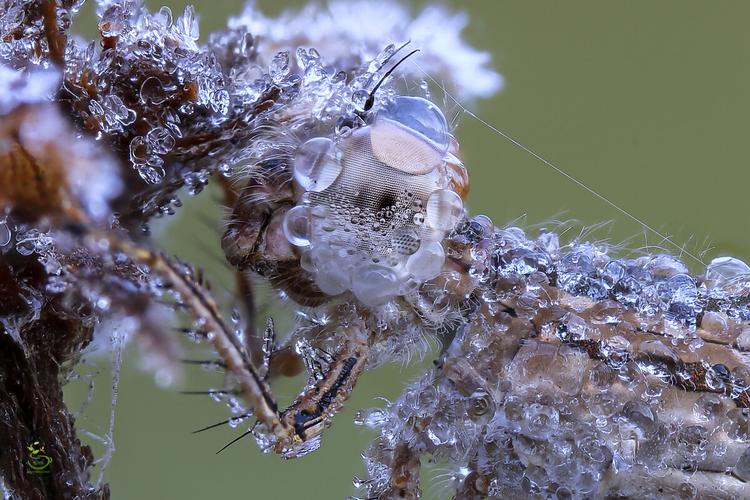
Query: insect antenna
column 205, row 362
column 230, row 443
column 559, row 170
column 209, row 393
column 371, row 97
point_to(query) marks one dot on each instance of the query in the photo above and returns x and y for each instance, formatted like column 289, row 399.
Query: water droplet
column 540, row 420
column 444, row 209
column 737, row 424
column 103, row 303
column 166, row 14
column 152, row 175
column 374, row 284
column 708, row 407
column 220, row 102
column 359, row 99
column 722, row 269
column 297, row 226
column 152, row 91
column 160, row 140
column 422, row 117
column 189, row 23
column 427, row 262
column 742, row 468
column 246, row 45
column 481, row 406
column 279, row 67
column 638, row 418
column 315, row 164
column 5, row 232
column 373, row 418
column 717, row 376
column 405, row 241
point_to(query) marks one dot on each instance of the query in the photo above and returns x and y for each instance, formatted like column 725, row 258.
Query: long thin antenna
column 393, row 54
column 562, row 172
column 371, row 98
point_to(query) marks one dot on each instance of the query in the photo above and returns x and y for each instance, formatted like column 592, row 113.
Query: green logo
column 38, row 462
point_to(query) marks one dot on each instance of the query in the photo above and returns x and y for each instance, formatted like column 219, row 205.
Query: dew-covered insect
column 373, row 199
column 565, row 371
column 367, row 206
column 375, row 202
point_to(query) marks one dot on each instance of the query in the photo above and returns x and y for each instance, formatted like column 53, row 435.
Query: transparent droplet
column 297, row 226
column 726, row 268
column 359, row 98
column 5, row 233
column 189, row 23
column 220, row 102
column 540, row 420
column 152, row 175
column 374, row 284
column 160, row 140
column 444, row 209
column 152, row 91
column 315, row 164
column 708, row 407
column 742, row 469
column 405, row 241
column 737, row 424
column 279, row 67
column 422, row 117
column 427, row 262
column 166, row 15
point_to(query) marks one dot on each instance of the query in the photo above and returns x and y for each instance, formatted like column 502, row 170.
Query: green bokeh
column 645, row 102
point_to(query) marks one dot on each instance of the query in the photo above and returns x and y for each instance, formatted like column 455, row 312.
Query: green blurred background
column 645, row 102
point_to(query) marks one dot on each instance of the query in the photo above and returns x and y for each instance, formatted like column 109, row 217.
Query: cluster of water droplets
column 576, row 375
column 375, row 203
column 652, row 285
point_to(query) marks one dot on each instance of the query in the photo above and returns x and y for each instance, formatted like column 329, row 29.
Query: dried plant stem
column 32, row 408
column 200, row 304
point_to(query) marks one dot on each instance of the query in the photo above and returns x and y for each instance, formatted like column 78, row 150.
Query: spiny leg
column 332, row 377
column 201, row 305
column 297, row 429
column 331, row 386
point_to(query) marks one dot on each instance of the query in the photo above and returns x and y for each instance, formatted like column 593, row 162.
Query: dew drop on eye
column 297, row 226
column 316, row 166
column 405, row 241
column 427, row 262
column 444, row 209
column 374, row 284
column 421, row 116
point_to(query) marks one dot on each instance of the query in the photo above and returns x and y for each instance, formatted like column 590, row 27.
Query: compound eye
column 317, row 164
column 421, row 117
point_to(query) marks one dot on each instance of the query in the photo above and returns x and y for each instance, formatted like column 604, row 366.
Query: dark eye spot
column 386, row 200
